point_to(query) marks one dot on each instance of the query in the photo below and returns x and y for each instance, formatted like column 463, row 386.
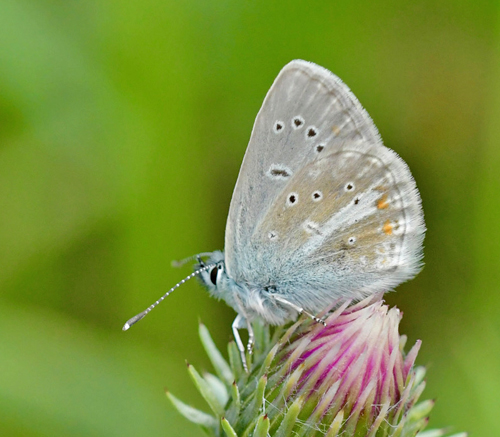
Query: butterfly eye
column 270, row 289
column 213, row 275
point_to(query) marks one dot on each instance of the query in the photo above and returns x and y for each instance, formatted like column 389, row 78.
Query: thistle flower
column 350, row 378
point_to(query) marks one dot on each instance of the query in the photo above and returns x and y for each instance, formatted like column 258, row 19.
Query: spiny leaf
column 262, row 427
column 286, row 427
column 192, row 414
column 220, row 364
column 421, row 410
column 206, row 391
column 228, row 429
column 235, row 360
column 218, row 388
column 235, row 394
column 252, row 410
column 333, row 431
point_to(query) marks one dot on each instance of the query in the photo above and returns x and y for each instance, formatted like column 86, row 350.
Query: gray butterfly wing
column 321, row 209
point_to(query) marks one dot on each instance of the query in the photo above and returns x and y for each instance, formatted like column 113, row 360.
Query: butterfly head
column 214, row 277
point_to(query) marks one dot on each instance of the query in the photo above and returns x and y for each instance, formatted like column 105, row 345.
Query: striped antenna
column 140, row 316
column 180, row 263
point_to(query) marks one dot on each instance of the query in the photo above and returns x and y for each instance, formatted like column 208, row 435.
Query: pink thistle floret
column 354, row 366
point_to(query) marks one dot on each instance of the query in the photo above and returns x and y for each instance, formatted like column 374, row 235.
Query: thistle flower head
column 350, row 378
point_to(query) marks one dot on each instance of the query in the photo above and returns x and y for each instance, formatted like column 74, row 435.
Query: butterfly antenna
column 181, row 262
column 140, row 316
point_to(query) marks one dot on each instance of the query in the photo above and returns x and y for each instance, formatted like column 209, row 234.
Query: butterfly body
column 250, row 298
column 322, row 211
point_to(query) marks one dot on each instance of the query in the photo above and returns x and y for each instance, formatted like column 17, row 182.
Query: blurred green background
column 122, row 128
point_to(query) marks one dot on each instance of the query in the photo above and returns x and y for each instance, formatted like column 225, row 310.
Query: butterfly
column 322, row 211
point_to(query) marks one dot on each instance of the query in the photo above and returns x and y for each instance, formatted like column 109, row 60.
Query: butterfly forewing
column 320, row 203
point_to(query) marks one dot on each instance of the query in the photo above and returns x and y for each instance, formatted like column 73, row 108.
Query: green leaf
column 192, row 414
column 432, row 433
column 409, row 428
column 262, row 338
column 206, row 391
column 336, row 424
column 220, row 364
column 235, row 394
column 262, row 427
column 218, row 388
column 420, row 372
column 258, row 401
column 286, row 427
column 269, row 359
column 235, row 360
column 228, row 429
column 421, row 410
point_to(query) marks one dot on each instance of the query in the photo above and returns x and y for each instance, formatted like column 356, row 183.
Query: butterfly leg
column 251, row 338
column 299, row 310
column 240, row 322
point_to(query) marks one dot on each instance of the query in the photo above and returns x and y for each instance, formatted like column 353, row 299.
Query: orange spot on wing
column 382, row 203
column 387, row 228
column 335, row 129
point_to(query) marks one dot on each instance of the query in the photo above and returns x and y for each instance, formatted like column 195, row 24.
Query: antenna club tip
column 125, row 327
